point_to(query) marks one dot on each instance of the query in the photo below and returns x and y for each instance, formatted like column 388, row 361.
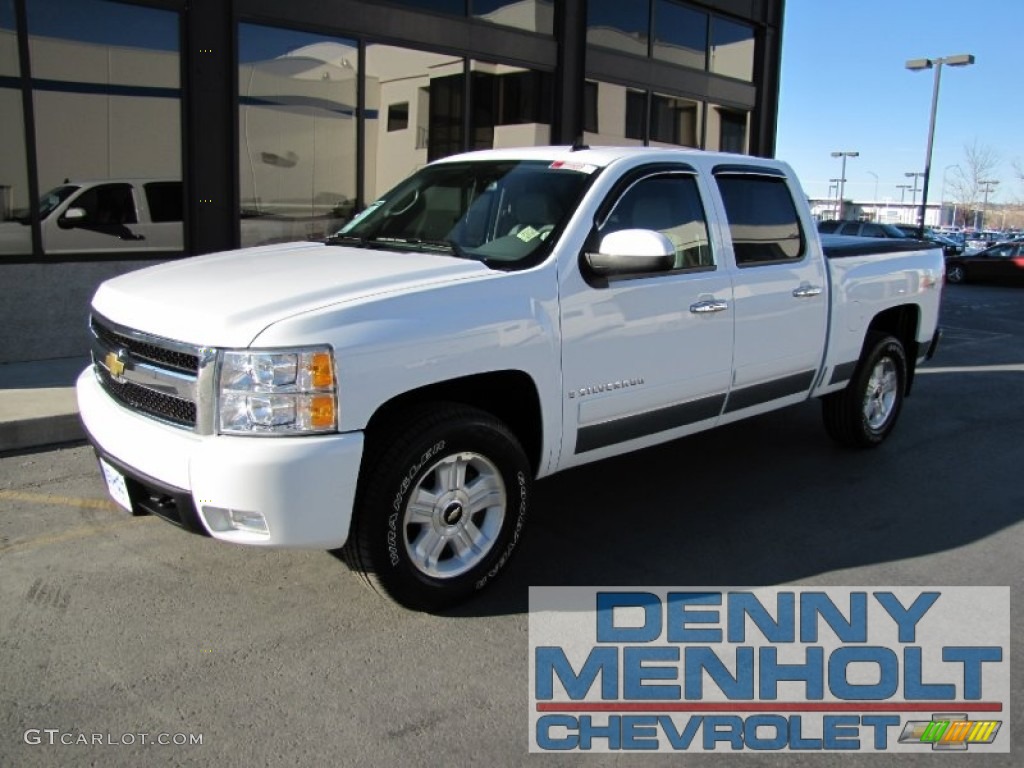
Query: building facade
column 155, row 129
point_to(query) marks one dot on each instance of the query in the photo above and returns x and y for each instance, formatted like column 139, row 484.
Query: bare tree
column 980, row 164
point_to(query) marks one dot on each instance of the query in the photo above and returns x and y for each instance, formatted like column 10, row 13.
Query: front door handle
column 807, row 291
column 708, row 306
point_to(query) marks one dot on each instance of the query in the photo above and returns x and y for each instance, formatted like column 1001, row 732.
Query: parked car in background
column 1000, row 263
column 859, row 229
column 977, row 241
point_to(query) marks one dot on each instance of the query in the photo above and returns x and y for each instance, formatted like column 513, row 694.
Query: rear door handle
column 807, row 291
column 708, row 306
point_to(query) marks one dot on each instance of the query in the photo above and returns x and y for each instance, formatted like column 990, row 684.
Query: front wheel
column 955, row 273
column 441, row 506
column 864, row 413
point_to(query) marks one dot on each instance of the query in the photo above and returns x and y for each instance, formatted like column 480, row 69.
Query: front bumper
column 304, row 487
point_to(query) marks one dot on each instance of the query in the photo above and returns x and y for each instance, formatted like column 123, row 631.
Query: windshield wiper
column 339, row 239
column 448, row 245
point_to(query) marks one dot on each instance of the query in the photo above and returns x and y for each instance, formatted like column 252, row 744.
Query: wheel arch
column 903, row 323
column 509, row 395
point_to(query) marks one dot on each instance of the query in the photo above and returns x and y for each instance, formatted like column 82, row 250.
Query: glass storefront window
column 432, row 87
column 618, row 116
column 680, row 34
column 511, row 106
column 675, row 121
column 732, row 49
column 728, row 130
column 453, row 7
column 619, row 25
column 107, row 100
column 297, row 133
column 15, row 232
column 531, row 15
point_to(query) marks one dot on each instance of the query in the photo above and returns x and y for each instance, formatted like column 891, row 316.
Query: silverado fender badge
column 607, row 387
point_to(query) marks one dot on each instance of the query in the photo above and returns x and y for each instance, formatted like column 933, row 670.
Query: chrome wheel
column 881, row 393
column 955, row 274
column 454, row 515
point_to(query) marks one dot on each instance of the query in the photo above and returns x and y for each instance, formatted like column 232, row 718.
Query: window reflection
column 619, row 25
column 453, row 7
column 297, row 133
column 618, row 117
column 107, row 100
column 531, row 15
column 511, row 106
column 15, row 233
column 732, row 49
column 680, row 34
column 728, row 130
column 675, row 121
column 430, row 86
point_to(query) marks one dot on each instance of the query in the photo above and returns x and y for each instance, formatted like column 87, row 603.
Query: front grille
column 156, row 404
column 141, row 350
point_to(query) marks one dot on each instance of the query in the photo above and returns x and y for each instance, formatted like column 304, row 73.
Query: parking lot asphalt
column 120, row 626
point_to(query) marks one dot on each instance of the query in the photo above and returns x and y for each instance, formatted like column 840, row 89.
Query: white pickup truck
column 496, row 318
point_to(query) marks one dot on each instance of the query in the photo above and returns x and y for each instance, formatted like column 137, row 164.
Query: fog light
column 221, row 520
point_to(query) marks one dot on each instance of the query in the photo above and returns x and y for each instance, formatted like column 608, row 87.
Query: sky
column 845, row 87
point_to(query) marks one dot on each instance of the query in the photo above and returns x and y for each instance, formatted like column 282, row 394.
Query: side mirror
column 631, row 251
column 72, row 218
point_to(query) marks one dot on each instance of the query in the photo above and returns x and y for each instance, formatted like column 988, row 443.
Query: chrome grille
column 157, row 377
column 138, row 398
column 143, row 350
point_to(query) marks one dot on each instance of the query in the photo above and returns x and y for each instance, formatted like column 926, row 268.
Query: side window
column 850, row 228
column 107, row 204
column 164, row 201
column 669, row 204
column 763, row 221
column 873, row 230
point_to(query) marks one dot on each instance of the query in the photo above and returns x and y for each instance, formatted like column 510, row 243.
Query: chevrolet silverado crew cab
column 497, row 317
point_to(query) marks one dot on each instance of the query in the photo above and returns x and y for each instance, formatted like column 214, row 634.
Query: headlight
column 277, row 392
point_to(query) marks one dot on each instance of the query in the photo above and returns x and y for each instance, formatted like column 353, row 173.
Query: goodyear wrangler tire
column 864, row 413
column 441, row 506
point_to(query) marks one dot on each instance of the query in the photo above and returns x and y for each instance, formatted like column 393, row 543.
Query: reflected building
column 278, row 122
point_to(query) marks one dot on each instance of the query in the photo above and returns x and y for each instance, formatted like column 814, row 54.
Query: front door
column 647, row 357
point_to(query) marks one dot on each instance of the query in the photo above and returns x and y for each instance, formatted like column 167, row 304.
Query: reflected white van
column 103, row 216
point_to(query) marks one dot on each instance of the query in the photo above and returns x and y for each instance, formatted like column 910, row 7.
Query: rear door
column 780, row 292
column 646, row 357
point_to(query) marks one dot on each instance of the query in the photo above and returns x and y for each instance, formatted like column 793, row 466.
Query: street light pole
column 903, row 192
column 987, row 184
column 834, row 184
column 915, row 175
column 960, row 60
column 842, row 176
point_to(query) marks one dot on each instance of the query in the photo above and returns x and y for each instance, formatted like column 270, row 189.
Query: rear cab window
column 762, row 217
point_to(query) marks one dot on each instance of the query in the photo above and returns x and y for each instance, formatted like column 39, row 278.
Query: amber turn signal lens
column 321, row 369
column 321, row 412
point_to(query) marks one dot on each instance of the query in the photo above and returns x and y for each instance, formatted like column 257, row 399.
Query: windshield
column 53, row 198
column 505, row 213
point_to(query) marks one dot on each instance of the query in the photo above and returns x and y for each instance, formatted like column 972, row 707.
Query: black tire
column 864, row 413
column 435, row 554
column 955, row 273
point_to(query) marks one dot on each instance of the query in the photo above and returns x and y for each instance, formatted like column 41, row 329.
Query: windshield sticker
column 361, row 215
column 527, row 233
column 568, row 165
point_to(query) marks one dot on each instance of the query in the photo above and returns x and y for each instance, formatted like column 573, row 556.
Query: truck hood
column 227, row 299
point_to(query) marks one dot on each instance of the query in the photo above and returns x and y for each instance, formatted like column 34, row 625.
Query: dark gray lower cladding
column 680, row 415
column 758, row 394
column 649, row 423
column 843, row 372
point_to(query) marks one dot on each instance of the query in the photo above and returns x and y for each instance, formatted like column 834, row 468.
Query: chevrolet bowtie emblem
column 114, row 364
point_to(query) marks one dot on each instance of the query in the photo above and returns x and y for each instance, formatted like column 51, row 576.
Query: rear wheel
column 863, row 414
column 955, row 273
column 441, row 506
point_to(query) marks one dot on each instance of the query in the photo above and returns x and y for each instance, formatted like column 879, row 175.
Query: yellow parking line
column 66, row 501
column 69, row 535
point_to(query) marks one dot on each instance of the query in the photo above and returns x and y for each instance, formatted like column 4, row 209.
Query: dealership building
column 170, row 128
